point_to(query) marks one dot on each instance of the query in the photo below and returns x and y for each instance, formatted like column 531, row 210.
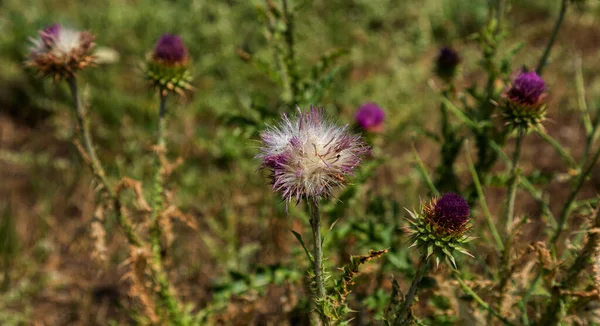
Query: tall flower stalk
column 167, row 71
column 315, row 224
column 308, row 158
column 523, row 108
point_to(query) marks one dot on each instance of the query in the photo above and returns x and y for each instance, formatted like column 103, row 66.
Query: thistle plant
column 524, row 105
column 308, row 158
column 60, row 53
column 437, row 230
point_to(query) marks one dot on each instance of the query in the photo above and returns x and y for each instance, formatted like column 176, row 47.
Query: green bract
column 434, row 239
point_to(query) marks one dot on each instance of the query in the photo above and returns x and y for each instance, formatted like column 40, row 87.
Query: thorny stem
column 96, row 165
column 404, row 314
column 478, row 299
column 551, row 316
column 315, row 223
column 164, row 292
column 158, row 187
column 559, row 21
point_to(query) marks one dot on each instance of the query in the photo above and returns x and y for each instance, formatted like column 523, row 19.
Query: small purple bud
column 447, row 62
column 451, row 211
column 528, row 88
column 370, row 117
column 170, row 49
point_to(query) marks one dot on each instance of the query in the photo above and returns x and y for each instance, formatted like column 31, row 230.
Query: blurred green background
column 242, row 241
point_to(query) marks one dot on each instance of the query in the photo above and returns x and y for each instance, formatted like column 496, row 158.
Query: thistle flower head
column 527, row 88
column 370, row 117
column 60, row 52
column 451, row 212
column 447, row 63
column 167, row 67
column 440, row 227
column 308, row 156
column 524, row 105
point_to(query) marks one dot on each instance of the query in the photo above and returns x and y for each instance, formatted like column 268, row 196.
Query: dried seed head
column 59, row 52
column 370, row 117
column 524, row 105
column 167, row 67
column 308, row 156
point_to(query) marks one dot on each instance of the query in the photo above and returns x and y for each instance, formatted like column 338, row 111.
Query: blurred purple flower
column 447, row 63
column 170, row 49
column 370, row 117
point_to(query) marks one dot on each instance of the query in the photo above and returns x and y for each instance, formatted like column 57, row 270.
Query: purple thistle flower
column 447, row 62
column 451, row 212
column 528, row 88
column 170, row 49
column 370, row 117
column 308, row 156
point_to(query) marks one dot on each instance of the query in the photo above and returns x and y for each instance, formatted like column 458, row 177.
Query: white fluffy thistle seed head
column 308, row 156
column 60, row 52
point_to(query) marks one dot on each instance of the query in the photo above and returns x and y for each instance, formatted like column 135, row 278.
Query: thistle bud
column 59, row 52
column 308, row 156
column 440, row 227
column 370, row 117
column 524, row 103
column 447, row 63
column 167, row 67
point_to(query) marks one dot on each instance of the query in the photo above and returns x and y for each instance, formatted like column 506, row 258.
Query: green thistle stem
column 404, row 314
column 158, row 187
column 96, row 165
column 509, row 216
column 559, row 21
column 315, row 223
column 164, row 292
column 513, row 182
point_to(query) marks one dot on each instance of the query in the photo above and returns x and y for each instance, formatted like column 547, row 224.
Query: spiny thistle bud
column 59, row 52
column 440, row 227
column 308, row 156
column 524, row 103
column 370, row 117
column 447, row 63
column 167, row 67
